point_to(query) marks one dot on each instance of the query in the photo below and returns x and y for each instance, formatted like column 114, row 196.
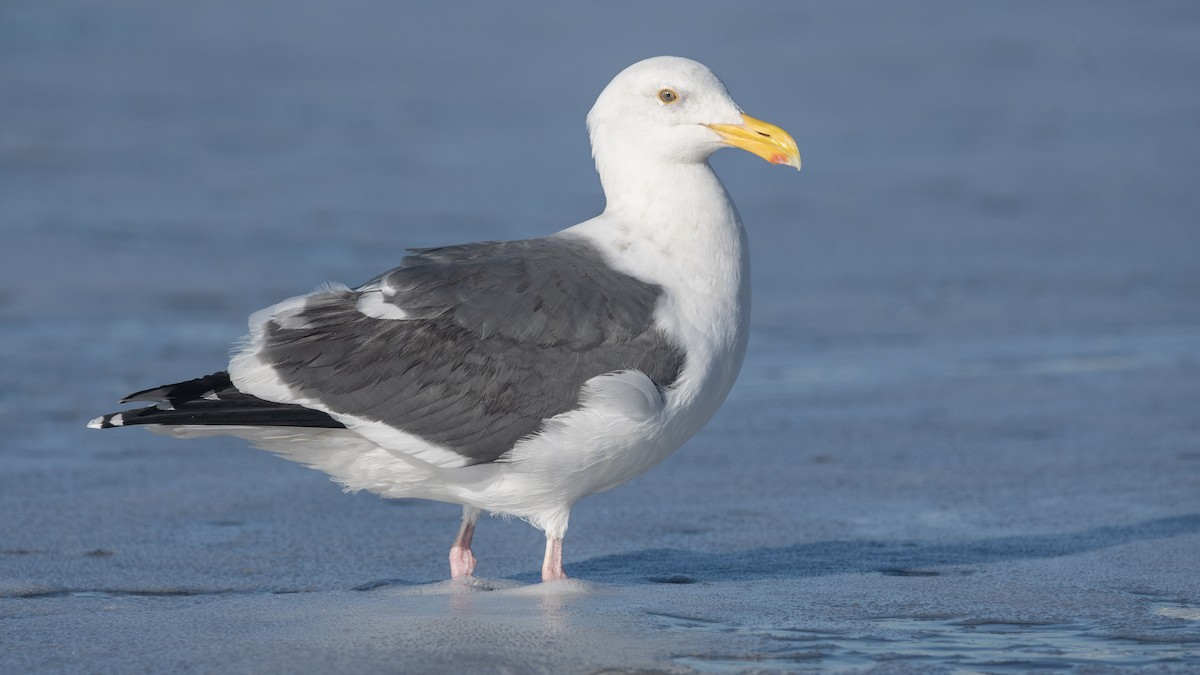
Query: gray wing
column 498, row 337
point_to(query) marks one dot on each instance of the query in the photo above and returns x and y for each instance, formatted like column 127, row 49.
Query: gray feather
column 503, row 336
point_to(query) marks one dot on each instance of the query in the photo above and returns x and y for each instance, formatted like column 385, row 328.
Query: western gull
column 518, row 377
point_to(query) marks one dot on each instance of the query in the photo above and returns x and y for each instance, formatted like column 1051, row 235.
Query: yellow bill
column 761, row 138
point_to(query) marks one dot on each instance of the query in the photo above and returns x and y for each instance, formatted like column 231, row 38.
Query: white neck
column 658, row 194
column 672, row 223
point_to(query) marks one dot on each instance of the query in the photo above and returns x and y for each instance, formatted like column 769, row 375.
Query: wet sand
column 965, row 439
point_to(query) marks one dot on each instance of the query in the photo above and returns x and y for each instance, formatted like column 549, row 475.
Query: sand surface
column 966, row 439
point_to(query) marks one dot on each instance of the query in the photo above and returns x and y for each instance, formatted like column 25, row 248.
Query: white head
column 672, row 110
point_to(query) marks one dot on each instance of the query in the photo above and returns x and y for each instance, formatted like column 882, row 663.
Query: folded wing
column 461, row 351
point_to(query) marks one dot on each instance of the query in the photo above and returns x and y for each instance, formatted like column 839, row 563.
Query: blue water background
column 967, row 436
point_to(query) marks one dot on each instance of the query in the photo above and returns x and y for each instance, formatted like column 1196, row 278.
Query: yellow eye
column 668, row 96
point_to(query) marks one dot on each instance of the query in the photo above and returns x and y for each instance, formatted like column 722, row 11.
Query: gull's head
column 674, row 110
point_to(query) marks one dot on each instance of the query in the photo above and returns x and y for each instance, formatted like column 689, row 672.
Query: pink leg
column 462, row 561
column 552, row 568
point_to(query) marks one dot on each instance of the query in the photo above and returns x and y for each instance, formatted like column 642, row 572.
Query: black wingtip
column 211, row 400
column 182, row 391
column 107, row 421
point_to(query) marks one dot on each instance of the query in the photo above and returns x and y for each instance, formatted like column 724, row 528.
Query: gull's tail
column 211, row 400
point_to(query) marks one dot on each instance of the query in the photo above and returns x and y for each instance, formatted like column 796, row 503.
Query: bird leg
column 552, row 568
column 462, row 561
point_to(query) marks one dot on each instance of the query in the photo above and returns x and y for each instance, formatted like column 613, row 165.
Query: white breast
column 705, row 306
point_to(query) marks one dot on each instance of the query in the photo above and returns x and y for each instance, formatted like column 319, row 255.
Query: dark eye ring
column 668, row 96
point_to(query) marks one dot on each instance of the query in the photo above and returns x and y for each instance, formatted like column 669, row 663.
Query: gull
column 517, row 377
